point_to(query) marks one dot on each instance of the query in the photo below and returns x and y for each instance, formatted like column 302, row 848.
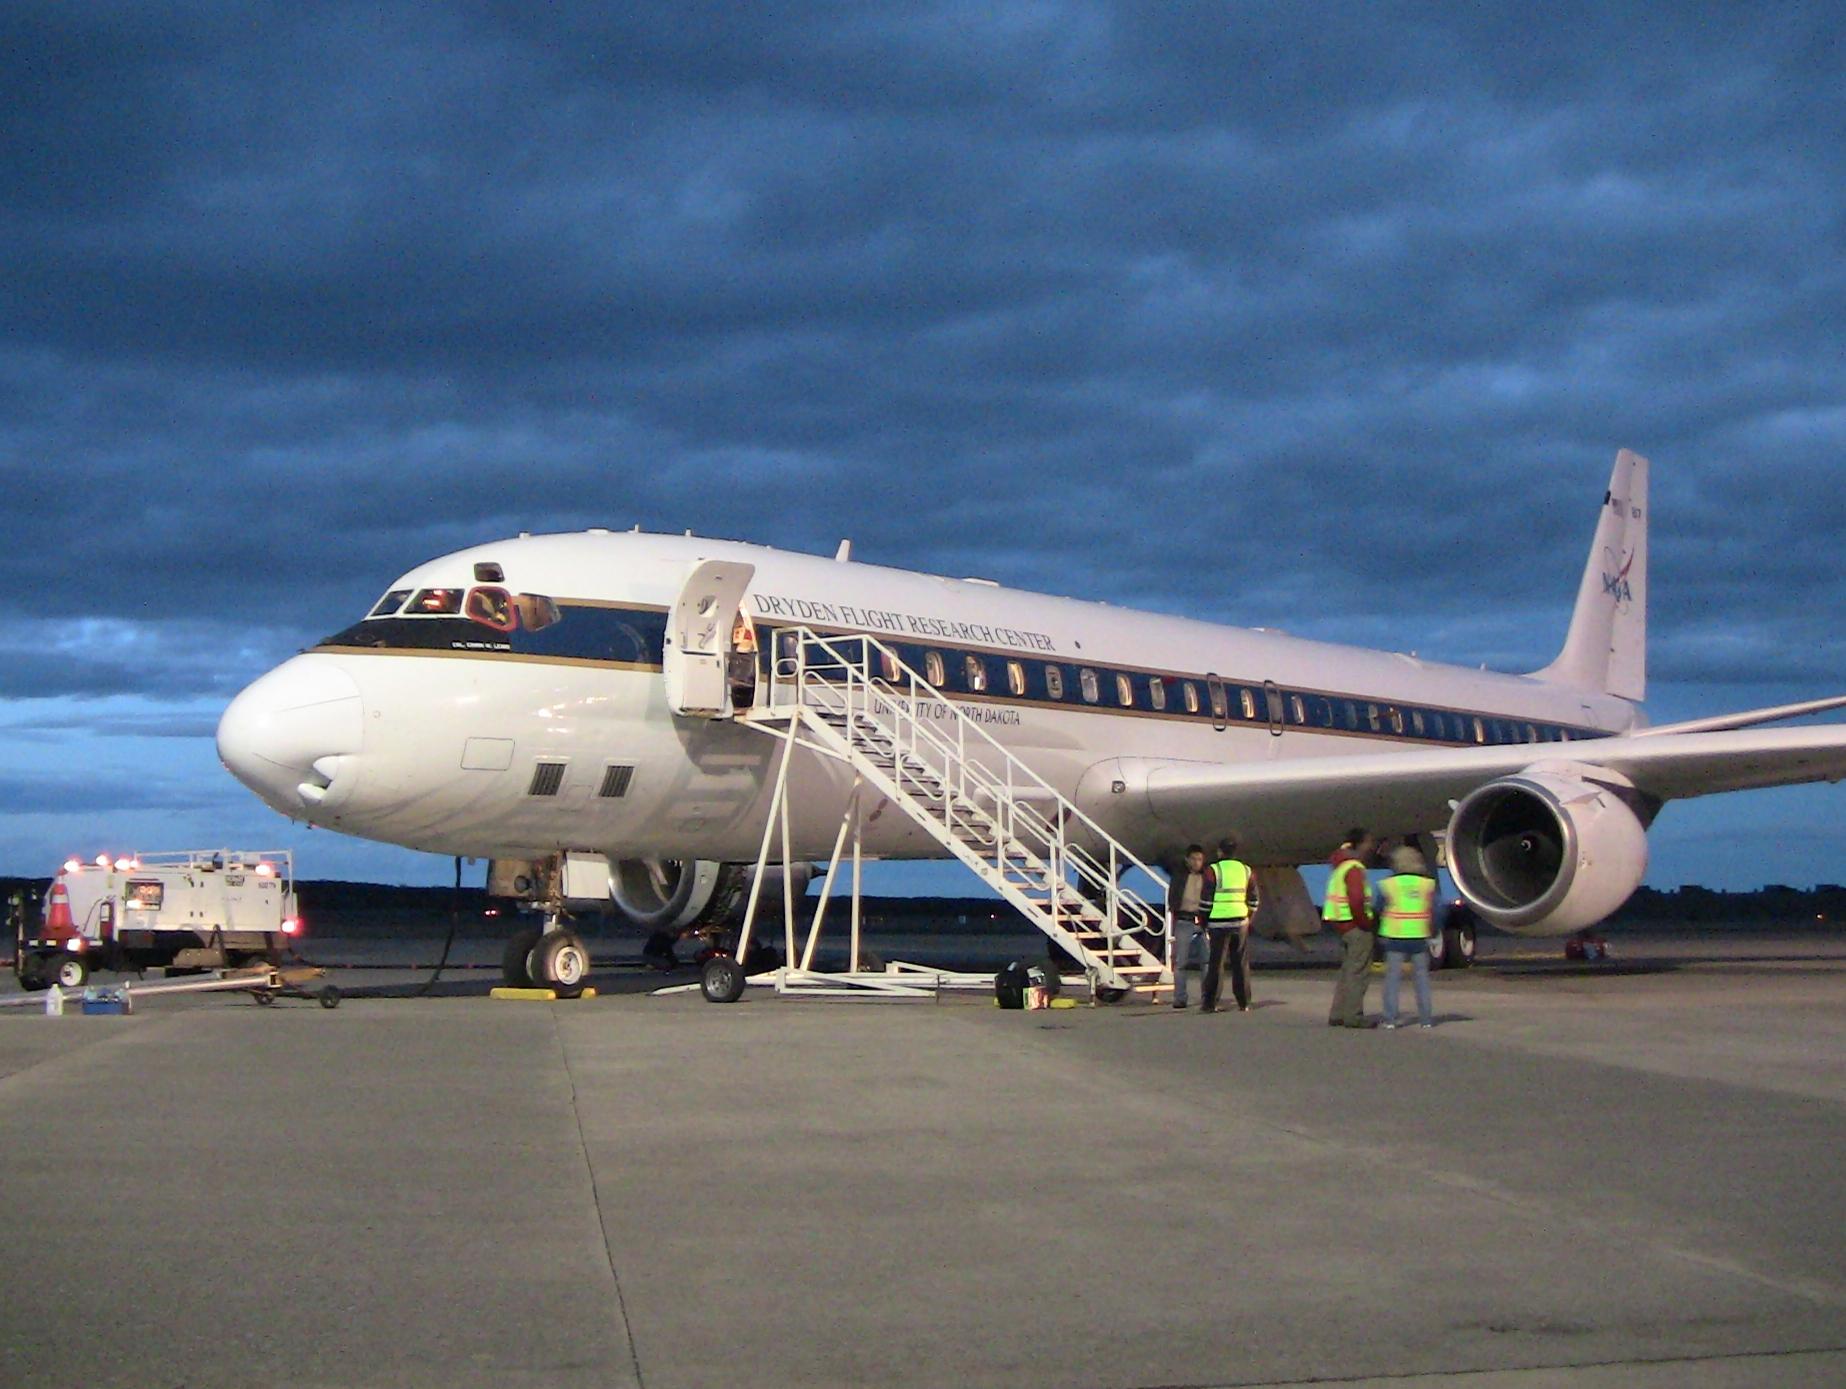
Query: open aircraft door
column 698, row 643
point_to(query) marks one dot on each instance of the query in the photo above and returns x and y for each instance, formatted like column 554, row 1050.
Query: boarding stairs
column 853, row 698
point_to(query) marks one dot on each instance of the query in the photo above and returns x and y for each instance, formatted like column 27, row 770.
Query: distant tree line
column 1774, row 904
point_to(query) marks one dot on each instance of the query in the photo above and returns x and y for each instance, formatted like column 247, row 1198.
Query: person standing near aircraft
column 1189, row 893
column 1227, row 925
column 1403, row 929
column 1349, row 911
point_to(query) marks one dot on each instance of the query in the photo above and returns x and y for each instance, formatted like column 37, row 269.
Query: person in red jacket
column 1349, row 911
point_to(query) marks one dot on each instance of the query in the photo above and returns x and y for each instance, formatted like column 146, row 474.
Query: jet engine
column 1548, row 852
column 678, row 894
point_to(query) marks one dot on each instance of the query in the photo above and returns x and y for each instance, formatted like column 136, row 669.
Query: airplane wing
column 1748, row 718
column 1418, row 787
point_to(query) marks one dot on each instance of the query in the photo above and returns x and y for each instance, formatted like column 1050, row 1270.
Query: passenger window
column 1531, row 733
column 976, row 671
column 1015, row 677
column 1480, row 733
column 491, row 607
column 1349, row 714
column 1396, row 716
column 1298, row 710
column 1124, row 691
column 390, row 603
column 1091, row 690
column 1054, row 681
column 888, row 666
column 932, row 668
column 437, row 602
column 1416, row 722
column 1190, row 693
column 1219, row 705
column 1371, row 717
column 1246, row 700
column 1156, row 692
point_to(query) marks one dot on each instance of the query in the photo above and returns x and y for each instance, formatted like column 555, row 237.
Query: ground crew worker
column 1189, row 895
column 1349, row 911
column 1227, row 925
column 1404, row 929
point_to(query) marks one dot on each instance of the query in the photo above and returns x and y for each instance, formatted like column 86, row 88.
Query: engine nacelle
column 677, row 894
column 1545, row 853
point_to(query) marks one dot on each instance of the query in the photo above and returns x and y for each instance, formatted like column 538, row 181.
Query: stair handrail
column 809, row 675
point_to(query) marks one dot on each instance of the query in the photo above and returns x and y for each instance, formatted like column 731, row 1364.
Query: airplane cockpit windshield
column 494, row 619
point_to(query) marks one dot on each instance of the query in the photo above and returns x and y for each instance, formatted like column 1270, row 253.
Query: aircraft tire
column 329, row 996
column 560, row 962
column 1457, row 947
column 513, row 958
column 70, row 973
column 658, row 952
column 721, row 980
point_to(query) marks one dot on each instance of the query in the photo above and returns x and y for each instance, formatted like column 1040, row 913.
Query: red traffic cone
column 58, row 911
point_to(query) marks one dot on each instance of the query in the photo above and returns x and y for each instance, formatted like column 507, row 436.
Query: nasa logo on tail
column 1615, row 577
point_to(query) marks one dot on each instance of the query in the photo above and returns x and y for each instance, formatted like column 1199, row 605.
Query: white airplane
column 592, row 693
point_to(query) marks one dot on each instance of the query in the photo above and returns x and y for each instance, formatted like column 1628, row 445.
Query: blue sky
column 1329, row 319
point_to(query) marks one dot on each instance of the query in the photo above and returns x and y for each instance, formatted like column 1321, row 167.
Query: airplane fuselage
column 508, row 701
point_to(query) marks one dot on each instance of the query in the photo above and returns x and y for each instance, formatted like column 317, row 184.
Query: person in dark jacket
column 1189, row 894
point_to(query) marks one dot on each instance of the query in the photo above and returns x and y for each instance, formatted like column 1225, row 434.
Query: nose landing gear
column 553, row 958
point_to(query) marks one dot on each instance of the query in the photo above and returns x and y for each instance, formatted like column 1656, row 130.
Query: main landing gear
column 553, row 958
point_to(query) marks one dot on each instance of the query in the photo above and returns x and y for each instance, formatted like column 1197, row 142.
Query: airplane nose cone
column 290, row 734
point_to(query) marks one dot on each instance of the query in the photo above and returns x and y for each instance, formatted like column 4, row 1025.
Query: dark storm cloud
column 1258, row 312
column 65, row 794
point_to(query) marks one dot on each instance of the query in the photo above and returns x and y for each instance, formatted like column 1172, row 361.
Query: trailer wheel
column 33, row 976
column 263, row 996
column 70, row 972
column 721, row 980
column 329, row 996
column 513, row 959
column 559, row 961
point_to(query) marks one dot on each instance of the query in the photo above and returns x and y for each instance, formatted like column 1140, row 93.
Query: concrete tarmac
column 1582, row 1176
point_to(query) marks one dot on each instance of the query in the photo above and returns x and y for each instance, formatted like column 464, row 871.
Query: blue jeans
column 1395, row 952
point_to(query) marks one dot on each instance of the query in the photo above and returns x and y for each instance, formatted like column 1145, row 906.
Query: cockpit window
column 491, row 607
column 390, row 603
column 491, row 618
column 536, row 612
column 436, row 602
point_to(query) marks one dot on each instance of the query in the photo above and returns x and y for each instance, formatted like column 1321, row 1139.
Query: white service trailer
column 199, row 909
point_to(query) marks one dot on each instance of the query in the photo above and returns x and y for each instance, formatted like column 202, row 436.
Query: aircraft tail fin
column 1606, row 648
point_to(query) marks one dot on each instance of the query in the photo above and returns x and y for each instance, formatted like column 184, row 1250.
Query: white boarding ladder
column 857, row 700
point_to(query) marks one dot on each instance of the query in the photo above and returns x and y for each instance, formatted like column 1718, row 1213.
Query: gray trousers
column 1355, row 973
column 1188, row 938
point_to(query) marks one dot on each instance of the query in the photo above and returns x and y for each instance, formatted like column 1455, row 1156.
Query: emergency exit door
column 698, row 641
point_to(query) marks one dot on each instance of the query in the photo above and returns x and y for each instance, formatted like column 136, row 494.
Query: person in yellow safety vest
column 1349, row 912
column 1227, row 926
column 1404, row 929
